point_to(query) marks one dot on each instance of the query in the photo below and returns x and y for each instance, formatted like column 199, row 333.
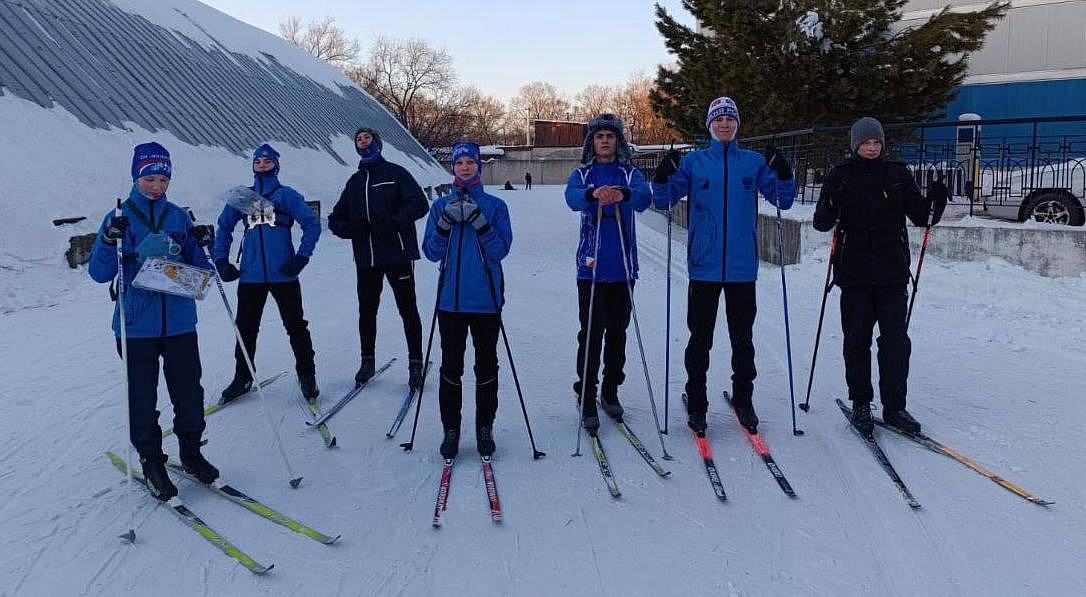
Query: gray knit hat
column 864, row 129
column 608, row 122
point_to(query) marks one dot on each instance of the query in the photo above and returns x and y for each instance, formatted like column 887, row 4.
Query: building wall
column 1032, row 64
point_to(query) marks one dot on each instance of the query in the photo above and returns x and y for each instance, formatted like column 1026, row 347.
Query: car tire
column 1057, row 208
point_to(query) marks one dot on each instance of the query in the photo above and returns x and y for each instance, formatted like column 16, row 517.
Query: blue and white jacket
column 465, row 287
column 266, row 249
column 722, row 244
column 148, row 314
column 582, row 181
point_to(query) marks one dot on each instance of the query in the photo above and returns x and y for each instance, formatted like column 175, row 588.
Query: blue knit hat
column 267, row 152
column 606, row 122
column 721, row 106
column 467, row 149
column 150, row 159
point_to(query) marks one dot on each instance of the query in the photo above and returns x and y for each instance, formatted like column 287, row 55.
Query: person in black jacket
column 377, row 212
column 867, row 199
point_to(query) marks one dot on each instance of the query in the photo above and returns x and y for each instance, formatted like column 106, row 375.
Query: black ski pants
column 401, row 278
column 610, row 317
column 484, row 328
column 288, row 297
column 861, row 308
column 740, row 307
column 181, row 364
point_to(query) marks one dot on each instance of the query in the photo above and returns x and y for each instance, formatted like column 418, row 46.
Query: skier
column 158, row 325
column 867, row 198
column 606, row 181
column 269, row 264
column 469, row 233
column 722, row 184
column 527, row 181
column 377, row 212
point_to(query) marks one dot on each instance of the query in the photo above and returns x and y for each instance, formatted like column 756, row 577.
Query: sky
column 499, row 46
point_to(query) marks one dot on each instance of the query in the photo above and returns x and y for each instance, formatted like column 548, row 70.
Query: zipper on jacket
column 369, row 219
column 161, row 296
column 724, row 246
column 263, row 257
column 459, row 259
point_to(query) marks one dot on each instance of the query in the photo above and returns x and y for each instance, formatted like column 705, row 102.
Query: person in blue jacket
column 469, row 233
column 269, row 264
column 722, row 184
column 158, row 325
column 606, row 184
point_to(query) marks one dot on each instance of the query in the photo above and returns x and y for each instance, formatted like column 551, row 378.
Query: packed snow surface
column 996, row 373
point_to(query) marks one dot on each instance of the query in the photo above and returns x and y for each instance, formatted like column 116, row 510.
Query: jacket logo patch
column 748, row 183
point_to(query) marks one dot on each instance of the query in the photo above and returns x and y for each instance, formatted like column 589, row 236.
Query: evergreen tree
column 792, row 65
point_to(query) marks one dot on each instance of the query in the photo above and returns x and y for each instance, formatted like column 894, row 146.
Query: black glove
column 776, row 160
column 116, row 228
column 204, row 234
column 227, row 271
column 667, row 167
column 294, row 266
column 937, row 195
column 340, row 228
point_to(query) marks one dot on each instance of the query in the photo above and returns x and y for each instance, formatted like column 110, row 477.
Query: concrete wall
column 544, row 171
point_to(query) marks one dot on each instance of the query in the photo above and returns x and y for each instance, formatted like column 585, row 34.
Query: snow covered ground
column 996, row 372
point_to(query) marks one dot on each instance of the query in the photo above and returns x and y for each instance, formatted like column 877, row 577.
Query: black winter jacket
column 377, row 210
column 869, row 200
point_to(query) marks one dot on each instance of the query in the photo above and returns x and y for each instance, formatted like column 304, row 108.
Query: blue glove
column 227, row 271
column 294, row 266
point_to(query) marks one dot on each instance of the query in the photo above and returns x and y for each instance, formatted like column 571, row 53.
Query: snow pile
column 811, row 25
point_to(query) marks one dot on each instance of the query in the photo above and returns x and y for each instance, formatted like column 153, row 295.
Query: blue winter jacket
column 148, row 314
column 265, row 249
column 582, row 181
column 464, row 285
column 722, row 244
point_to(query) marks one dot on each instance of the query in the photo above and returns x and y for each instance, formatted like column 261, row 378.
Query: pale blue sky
column 499, row 46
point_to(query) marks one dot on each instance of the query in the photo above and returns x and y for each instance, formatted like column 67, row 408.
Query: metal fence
column 1018, row 168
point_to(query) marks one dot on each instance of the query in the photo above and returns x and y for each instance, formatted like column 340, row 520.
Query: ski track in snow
column 991, row 371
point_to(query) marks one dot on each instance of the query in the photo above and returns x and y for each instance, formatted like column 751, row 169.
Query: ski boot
column 609, row 402
column 901, row 419
column 309, row 387
column 237, row 388
column 365, row 372
column 450, row 446
column 484, row 439
column 196, row 465
column 158, row 481
column 696, row 422
column 744, row 411
column 414, row 373
column 861, row 417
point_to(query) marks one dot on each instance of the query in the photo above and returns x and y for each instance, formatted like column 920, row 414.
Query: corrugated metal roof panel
column 107, row 66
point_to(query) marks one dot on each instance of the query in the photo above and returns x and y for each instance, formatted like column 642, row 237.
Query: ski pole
column 294, row 481
column 627, row 266
column 667, row 326
column 536, row 454
column 588, row 330
column 806, row 406
column 916, row 278
column 787, row 329
column 130, row 535
column 410, row 444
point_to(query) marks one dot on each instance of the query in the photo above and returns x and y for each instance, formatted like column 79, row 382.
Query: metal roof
column 108, row 67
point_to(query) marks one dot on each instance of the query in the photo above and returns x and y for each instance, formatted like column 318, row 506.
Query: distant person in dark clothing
column 527, row 181
column 509, row 186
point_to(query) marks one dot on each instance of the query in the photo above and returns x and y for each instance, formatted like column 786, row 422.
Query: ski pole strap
column 155, row 227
